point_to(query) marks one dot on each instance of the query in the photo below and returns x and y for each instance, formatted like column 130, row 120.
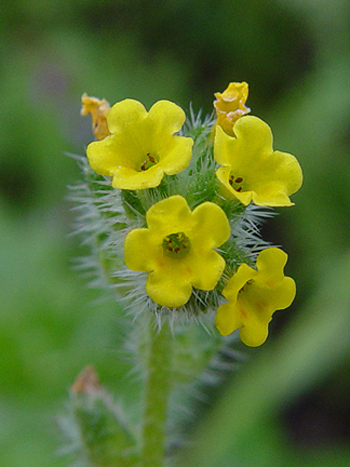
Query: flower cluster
column 178, row 203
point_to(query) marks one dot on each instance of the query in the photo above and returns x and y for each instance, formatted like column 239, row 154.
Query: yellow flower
column 230, row 105
column 177, row 249
column 142, row 145
column 254, row 295
column 251, row 170
column 99, row 110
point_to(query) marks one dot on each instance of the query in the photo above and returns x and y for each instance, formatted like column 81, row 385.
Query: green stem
column 156, row 395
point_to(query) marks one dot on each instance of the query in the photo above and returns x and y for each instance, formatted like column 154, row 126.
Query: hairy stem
column 156, row 395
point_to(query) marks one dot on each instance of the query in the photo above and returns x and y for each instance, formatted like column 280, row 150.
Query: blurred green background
column 290, row 404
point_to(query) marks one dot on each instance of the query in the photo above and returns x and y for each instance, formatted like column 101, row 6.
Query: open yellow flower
column 142, row 146
column 177, row 249
column 254, row 295
column 251, row 170
column 99, row 110
column 230, row 105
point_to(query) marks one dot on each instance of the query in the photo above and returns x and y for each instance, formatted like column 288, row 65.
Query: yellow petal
column 170, row 282
column 102, row 156
column 283, row 294
column 254, row 334
column 223, row 175
column 270, row 264
column 228, row 319
column 126, row 116
column 222, row 147
column 141, row 251
column 129, row 179
column 171, row 215
column 280, row 178
column 167, row 289
column 166, row 117
column 256, row 306
column 212, row 227
column 175, row 154
column 244, row 274
column 207, row 269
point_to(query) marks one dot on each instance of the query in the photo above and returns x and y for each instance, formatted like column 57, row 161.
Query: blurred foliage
column 290, row 403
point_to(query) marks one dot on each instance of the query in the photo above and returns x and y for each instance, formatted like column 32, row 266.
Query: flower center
column 148, row 162
column 176, row 245
column 236, row 182
column 247, row 283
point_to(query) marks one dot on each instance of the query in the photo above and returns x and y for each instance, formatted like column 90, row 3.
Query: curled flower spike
column 142, row 146
column 177, row 249
column 99, row 110
column 230, row 105
column 254, row 295
column 251, row 170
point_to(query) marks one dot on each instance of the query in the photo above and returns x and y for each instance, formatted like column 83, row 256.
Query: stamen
column 236, row 182
column 176, row 245
column 148, row 162
column 247, row 283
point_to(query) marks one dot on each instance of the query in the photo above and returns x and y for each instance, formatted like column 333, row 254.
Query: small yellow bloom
column 177, row 249
column 99, row 110
column 251, row 170
column 230, row 105
column 142, row 146
column 254, row 295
